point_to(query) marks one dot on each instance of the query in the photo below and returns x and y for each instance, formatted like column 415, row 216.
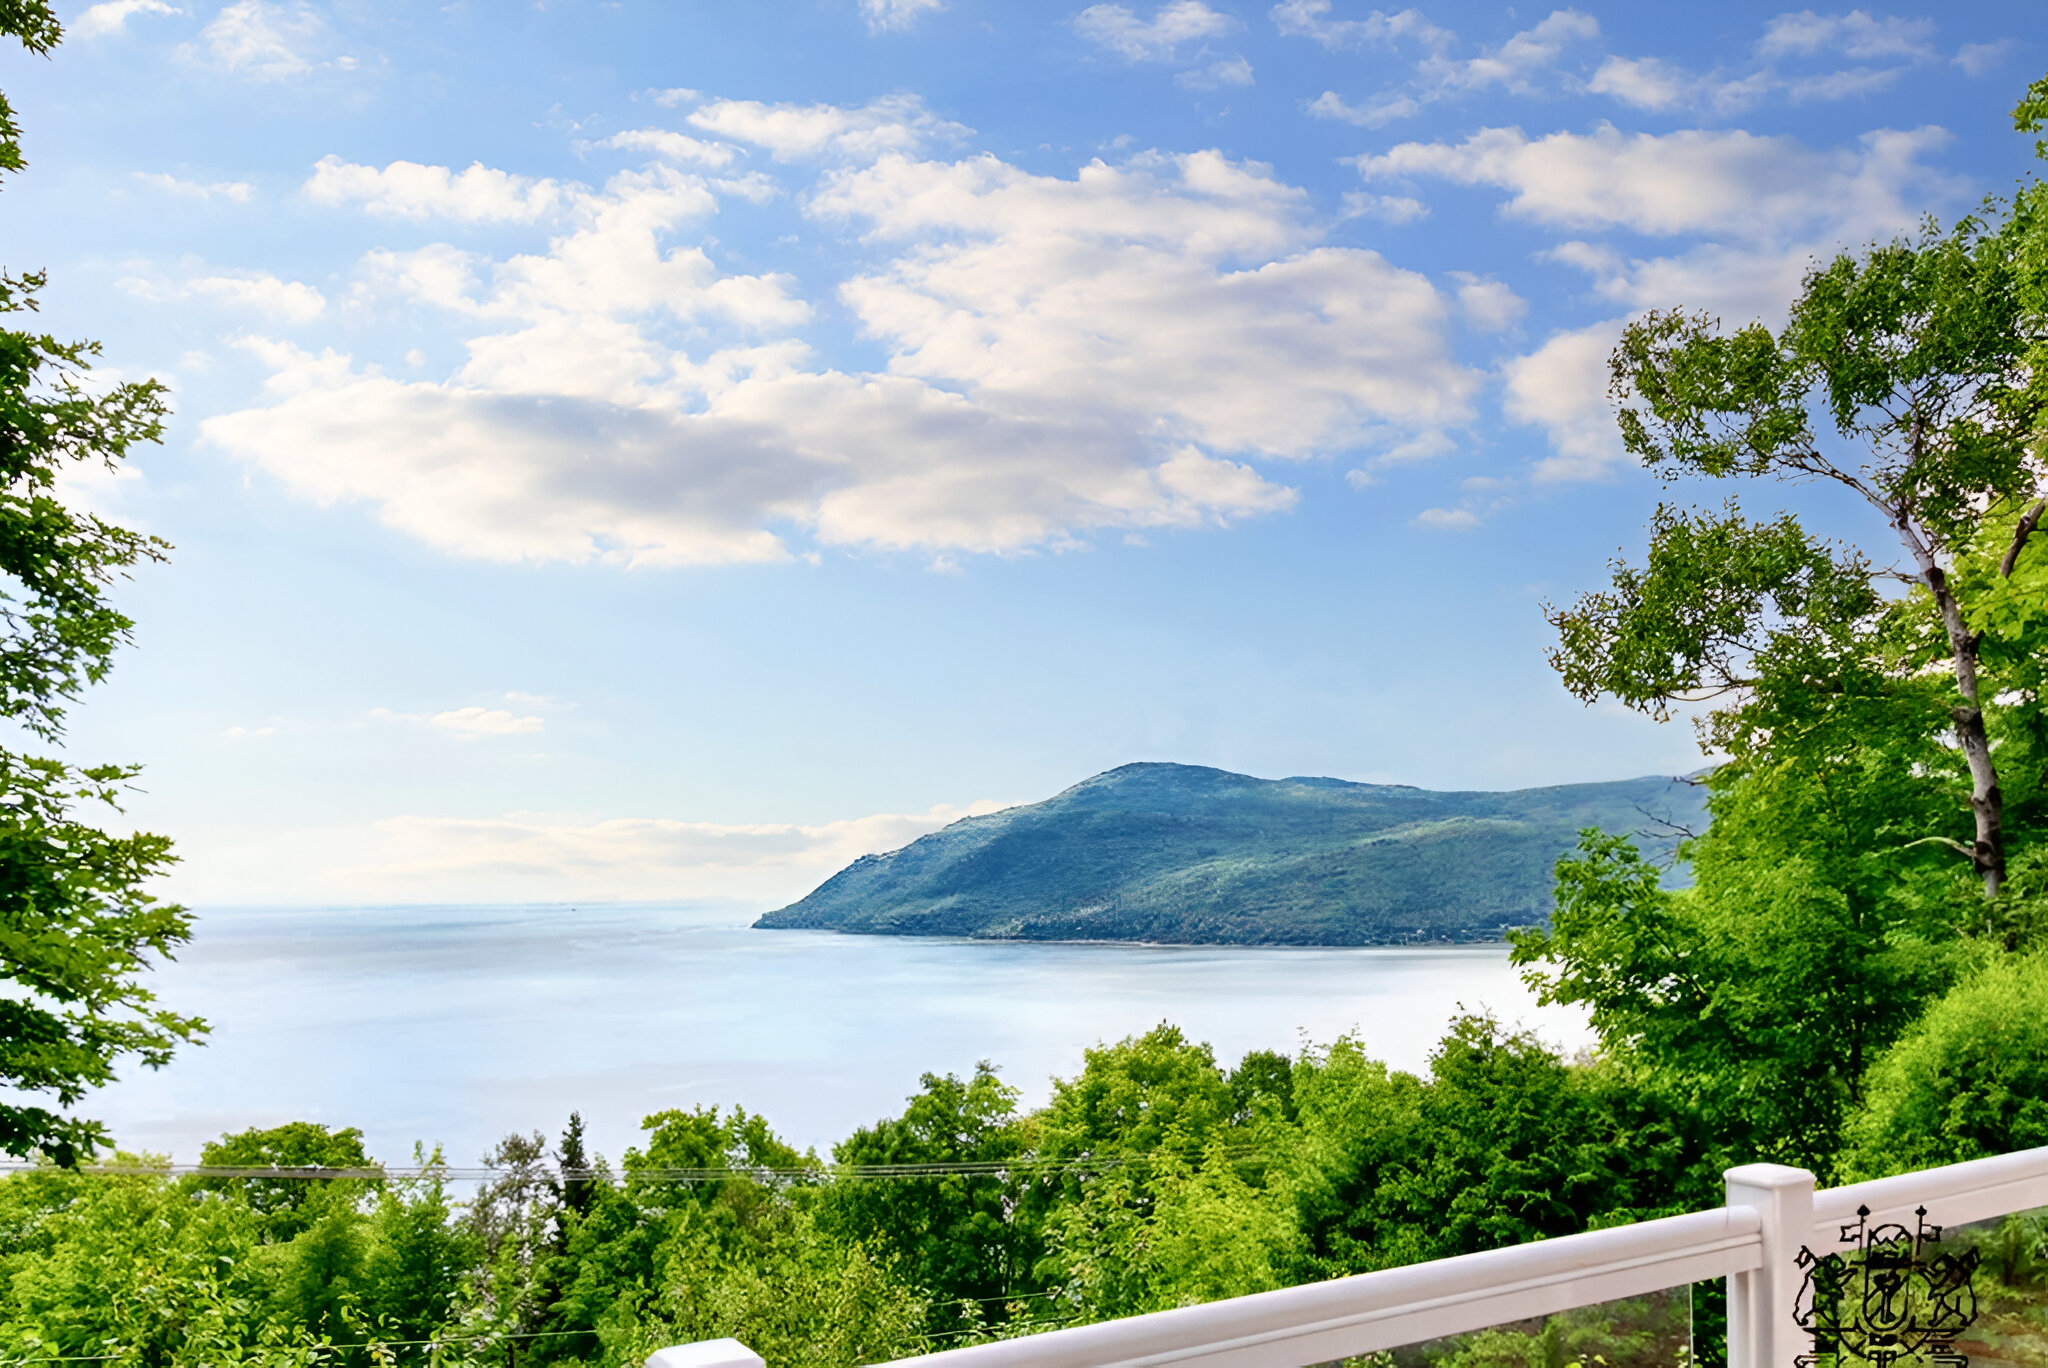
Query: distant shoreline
column 1416, row 944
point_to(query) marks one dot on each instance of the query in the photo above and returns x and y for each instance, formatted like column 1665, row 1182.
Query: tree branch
column 1966, row 852
column 2028, row 521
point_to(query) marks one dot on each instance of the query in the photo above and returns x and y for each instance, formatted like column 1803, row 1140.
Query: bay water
column 452, row 1025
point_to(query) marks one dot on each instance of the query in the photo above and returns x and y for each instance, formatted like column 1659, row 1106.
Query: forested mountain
column 1187, row 854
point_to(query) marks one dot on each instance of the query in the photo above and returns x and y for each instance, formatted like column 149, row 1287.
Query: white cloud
column 1110, row 294
column 469, row 723
column 1977, row 58
column 878, row 461
column 1232, row 71
column 411, row 191
column 1519, row 65
column 1159, row 39
column 1385, row 208
column 1382, row 109
column 1310, row 19
column 1448, row 519
column 1765, row 207
column 894, row 123
column 1645, row 82
column 677, row 147
column 240, row 192
column 1065, row 355
column 263, row 41
column 1693, row 181
column 293, row 301
column 1656, row 84
column 1487, row 304
column 112, row 16
column 1521, row 58
column 885, row 16
column 1562, row 387
column 1855, row 35
column 528, row 857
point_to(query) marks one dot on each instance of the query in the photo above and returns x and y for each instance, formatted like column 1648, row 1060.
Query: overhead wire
column 991, row 1168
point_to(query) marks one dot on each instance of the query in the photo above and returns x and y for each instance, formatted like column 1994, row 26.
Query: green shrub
column 1970, row 1078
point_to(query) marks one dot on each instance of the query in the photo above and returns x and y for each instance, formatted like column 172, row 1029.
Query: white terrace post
column 1761, row 1331
column 718, row 1353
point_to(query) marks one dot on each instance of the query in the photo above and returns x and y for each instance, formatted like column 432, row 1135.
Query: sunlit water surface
column 454, row 1025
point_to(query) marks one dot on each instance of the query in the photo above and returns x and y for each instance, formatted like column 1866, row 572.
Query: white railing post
column 718, row 1353
column 1761, row 1331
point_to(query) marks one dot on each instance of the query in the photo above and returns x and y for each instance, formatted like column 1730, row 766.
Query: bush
column 1970, row 1078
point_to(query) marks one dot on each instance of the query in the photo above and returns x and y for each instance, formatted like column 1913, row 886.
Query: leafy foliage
column 76, row 928
column 1970, row 1078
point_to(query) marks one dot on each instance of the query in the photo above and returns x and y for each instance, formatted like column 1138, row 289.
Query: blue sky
column 630, row 450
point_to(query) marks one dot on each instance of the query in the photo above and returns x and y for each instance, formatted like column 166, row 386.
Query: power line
column 991, row 1168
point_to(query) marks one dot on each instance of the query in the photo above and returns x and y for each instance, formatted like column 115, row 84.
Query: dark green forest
column 1184, row 854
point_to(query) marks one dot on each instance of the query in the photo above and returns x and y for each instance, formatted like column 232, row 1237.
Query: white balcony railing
column 1753, row 1241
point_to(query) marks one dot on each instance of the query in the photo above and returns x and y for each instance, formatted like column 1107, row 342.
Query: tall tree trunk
column 1987, row 804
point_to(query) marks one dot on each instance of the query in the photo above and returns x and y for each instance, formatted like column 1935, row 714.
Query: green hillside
column 1184, row 854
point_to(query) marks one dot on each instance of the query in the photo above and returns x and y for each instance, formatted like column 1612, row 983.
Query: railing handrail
column 1955, row 1194
column 1318, row 1322
column 1772, row 1211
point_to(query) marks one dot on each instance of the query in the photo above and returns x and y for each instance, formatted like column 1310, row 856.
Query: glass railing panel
column 1651, row 1331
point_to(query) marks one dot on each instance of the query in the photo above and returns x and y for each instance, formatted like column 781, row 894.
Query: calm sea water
column 454, row 1025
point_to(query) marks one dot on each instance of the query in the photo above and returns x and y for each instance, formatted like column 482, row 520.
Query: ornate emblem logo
column 1888, row 1297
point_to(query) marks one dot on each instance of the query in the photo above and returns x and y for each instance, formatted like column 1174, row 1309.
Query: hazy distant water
column 454, row 1025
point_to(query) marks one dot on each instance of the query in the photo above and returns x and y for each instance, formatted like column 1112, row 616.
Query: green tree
column 132, row 1266
column 1902, row 377
column 1969, row 1079
column 952, row 1234
column 286, row 1206
column 415, row 1269
column 1870, row 720
column 76, row 928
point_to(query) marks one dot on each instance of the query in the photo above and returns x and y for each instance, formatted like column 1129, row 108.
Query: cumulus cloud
column 1521, row 64
column 1693, row 181
column 112, row 16
column 1448, row 519
column 792, row 132
column 1855, row 35
column 1791, row 60
column 886, row 16
column 1383, row 109
column 409, row 190
column 1977, row 58
column 1562, row 387
column 1112, row 294
column 262, row 41
column 1311, row 19
column 1385, row 208
column 1107, row 351
column 1487, row 304
column 1158, row 39
column 1644, row 82
column 1755, row 210
column 676, row 147
column 292, row 301
column 239, row 192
